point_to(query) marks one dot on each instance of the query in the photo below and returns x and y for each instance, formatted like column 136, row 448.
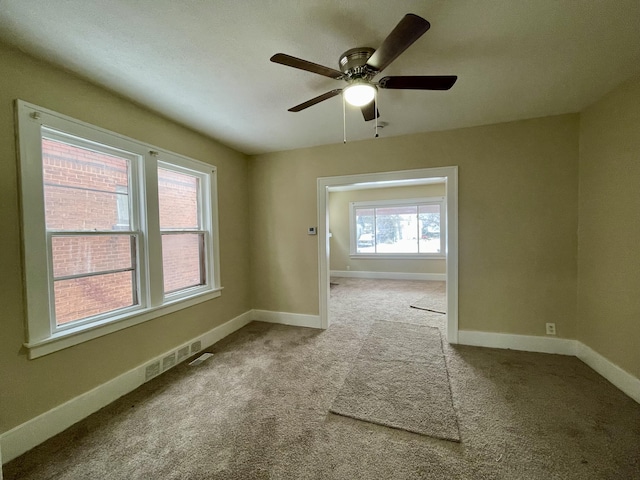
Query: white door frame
column 450, row 174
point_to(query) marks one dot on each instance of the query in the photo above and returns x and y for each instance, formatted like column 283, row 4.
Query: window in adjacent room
column 398, row 228
column 115, row 231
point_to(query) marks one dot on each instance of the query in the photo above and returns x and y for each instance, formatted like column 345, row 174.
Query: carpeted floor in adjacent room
column 259, row 409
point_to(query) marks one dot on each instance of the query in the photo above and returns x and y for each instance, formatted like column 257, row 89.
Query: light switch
column 312, row 231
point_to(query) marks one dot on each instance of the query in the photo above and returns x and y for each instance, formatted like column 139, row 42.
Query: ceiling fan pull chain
column 375, row 110
column 344, row 121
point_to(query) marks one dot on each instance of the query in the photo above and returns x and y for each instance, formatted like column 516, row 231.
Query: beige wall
column 31, row 387
column 609, row 202
column 339, row 227
column 517, row 219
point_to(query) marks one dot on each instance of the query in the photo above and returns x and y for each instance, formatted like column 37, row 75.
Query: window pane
column 365, row 239
column 429, row 216
column 396, row 229
column 182, row 261
column 80, row 298
column 178, row 196
column 80, row 255
column 84, row 189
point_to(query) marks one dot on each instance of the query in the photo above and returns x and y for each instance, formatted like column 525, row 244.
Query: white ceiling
column 206, row 63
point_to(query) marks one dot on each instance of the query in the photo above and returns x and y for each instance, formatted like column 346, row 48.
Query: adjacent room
column 391, row 230
column 325, row 239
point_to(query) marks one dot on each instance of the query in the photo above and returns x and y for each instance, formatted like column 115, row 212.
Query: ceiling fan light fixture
column 359, row 94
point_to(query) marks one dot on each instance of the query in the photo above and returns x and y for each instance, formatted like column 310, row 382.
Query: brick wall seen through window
column 88, row 191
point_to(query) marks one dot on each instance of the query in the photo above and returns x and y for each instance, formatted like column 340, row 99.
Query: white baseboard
column 295, row 319
column 526, row 343
column 227, row 328
column 389, row 275
column 609, row 370
column 24, row 437
column 622, row 379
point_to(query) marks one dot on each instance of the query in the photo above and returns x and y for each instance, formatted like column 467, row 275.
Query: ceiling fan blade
column 410, row 28
column 294, row 62
column 369, row 111
column 318, row 99
column 427, row 82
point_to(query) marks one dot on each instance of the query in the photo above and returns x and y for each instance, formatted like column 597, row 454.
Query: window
column 115, row 232
column 398, row 228
column 92, row 251
column 183, row 239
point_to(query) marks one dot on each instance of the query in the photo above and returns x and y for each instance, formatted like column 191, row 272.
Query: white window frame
column 204, row 220
column 133, row 230
column 42, row 336
column 408, row 202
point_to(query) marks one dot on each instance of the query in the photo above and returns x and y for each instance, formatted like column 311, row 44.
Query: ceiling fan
column 359, row 66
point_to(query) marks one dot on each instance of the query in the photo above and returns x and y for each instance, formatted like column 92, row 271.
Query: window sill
column 83, row 333
column 397, row 256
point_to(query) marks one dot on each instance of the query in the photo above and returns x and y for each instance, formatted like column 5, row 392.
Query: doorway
column 450, row 177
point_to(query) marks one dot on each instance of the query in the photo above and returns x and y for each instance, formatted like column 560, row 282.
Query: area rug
column 432, row 303
column 399, row 379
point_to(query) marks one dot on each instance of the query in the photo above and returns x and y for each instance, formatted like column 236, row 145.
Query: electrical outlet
column 196, row 347
column 551, row 328
column 168, row 362
column 152, row 370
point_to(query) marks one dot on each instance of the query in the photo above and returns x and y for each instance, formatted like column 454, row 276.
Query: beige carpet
column 399, row 380
column 258, row 409
column 435, row 299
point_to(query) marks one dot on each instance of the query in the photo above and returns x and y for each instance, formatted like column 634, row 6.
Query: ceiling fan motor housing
column 353, row 63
